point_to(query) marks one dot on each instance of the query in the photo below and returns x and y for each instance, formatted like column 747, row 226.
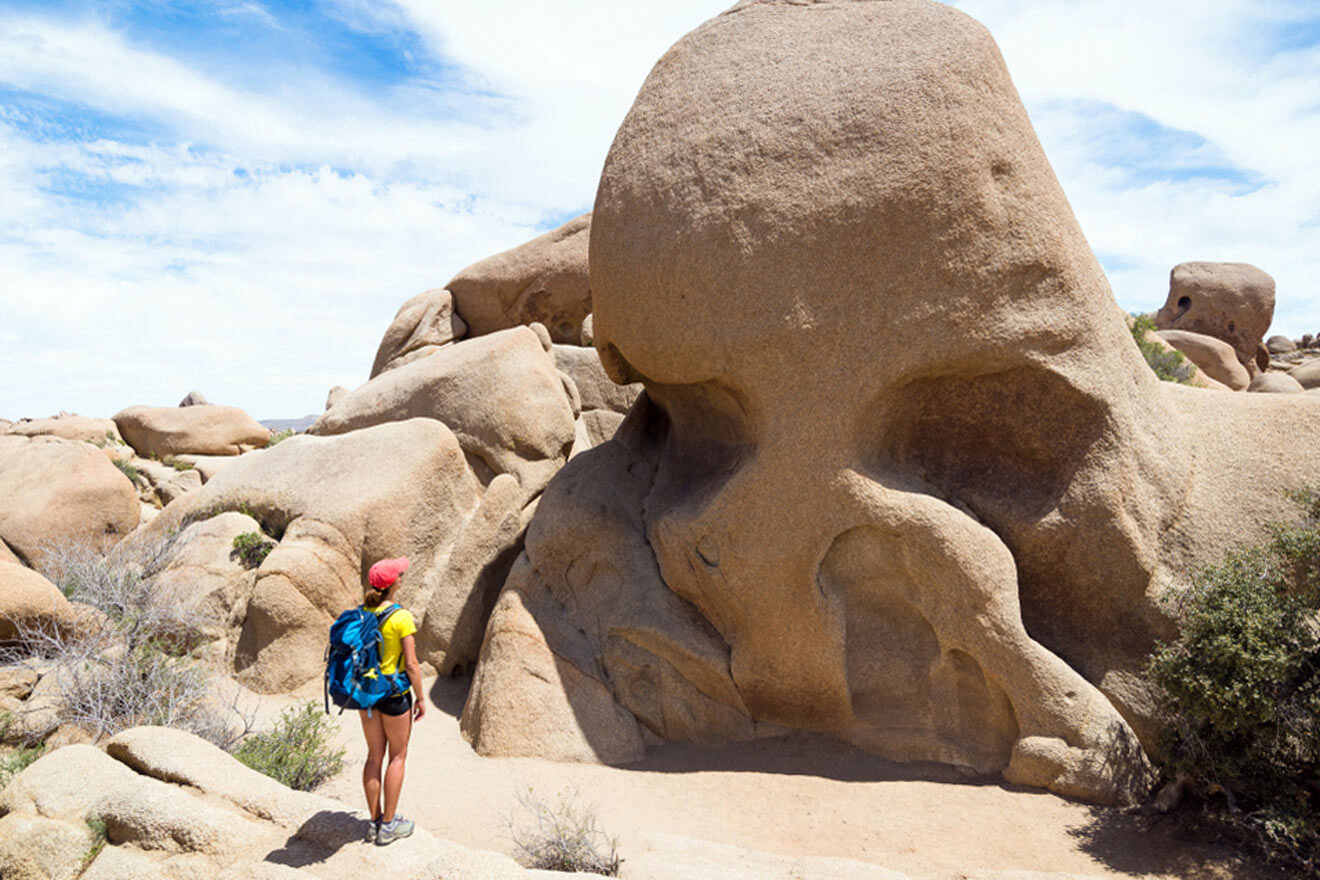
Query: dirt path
column 798, row 797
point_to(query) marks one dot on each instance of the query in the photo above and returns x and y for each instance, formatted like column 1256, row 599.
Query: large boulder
column 1214, row 356
column 157, row 431
column 899, row 473
column 544, row 280
column 1229, row 301
column 334, row 505
column 423, row 324
column 101, row 432
column 1275, row 383
column 60, row 492
column 1307, row 374
column 1280, row 345
column 500, row 394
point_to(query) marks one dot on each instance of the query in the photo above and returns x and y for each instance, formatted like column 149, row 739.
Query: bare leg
column 397, row 729
column 374, row 730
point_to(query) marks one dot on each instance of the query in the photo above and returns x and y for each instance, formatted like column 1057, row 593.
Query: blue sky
column 235, row 196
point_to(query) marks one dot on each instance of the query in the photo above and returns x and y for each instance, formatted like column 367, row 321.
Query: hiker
column 389, row 722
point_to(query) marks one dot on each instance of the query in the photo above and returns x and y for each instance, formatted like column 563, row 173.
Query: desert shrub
column 126, row 468
column 1241, row 691
column 1170, row 366
column 298, row 751
column 13, row 764
column 279, row 437
column 96, row 825
column 563, row 837
column 178, row 464
column 129, row 662
column 252, row 548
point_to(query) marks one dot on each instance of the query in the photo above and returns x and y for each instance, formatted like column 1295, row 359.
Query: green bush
column 1170, row 366
column 126, row 468
column 252, row 548
column 563, row 837
column 279, row 437
column 15, row 763
column 177, row 464
column 298, row 751
column 1241, row 690
column 96, row 825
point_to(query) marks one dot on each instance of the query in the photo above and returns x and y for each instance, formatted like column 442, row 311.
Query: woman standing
column 388, row 725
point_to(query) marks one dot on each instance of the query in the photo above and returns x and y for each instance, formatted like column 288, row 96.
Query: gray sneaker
column 373, row 830
column 394, row 830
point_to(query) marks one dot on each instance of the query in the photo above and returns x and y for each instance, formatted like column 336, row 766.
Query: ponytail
column 371, row 597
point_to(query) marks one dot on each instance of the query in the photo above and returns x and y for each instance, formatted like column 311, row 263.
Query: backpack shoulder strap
column 385, row 615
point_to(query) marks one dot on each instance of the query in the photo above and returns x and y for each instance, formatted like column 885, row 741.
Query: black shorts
column 399, row 704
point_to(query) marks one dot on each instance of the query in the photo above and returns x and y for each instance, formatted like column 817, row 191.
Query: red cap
column 384, row 573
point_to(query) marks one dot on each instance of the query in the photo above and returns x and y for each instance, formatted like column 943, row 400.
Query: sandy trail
column 798, row 796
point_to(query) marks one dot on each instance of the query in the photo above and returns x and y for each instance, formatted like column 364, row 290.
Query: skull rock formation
column 899, row 474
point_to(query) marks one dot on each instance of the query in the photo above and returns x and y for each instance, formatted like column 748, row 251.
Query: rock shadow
column 320, row 837
column 799, row 753
column 449, row 693
column 1165, row 845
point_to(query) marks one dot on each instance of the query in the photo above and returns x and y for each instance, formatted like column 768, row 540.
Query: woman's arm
column 414, row 676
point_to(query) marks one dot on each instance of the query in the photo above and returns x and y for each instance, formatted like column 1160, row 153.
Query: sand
column 797, row 797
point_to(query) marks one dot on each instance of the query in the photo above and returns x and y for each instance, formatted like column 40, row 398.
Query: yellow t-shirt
column 399, row 626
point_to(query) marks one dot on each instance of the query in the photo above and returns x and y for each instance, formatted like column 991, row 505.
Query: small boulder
column 543, row 280
column 1216, row 357
column 588, row 331
column 58, row 491
column 157, row 431
column 1307, row 374
column 1229, row 301
column 1275, row 383
column 423, row 324
column 194, row 398
column 1280, row 345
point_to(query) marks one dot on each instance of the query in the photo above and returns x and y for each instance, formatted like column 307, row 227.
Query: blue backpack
column 354, row 652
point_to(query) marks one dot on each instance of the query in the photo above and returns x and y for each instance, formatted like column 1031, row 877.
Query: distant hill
column 299, row 425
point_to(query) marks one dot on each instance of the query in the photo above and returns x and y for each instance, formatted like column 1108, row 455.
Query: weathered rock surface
column 1214, row 356
column 336, row 505
column 422, row 325
column 500, row 394
column 1229, row 301
column 157, row 431
column 544, row 280
column 177, row 807
column 1275, row 383
column 70, row 427
column 844, row 502
column 463, row 590
column 59, row 491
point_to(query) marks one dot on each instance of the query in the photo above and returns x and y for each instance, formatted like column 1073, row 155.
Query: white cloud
column 266, row 286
